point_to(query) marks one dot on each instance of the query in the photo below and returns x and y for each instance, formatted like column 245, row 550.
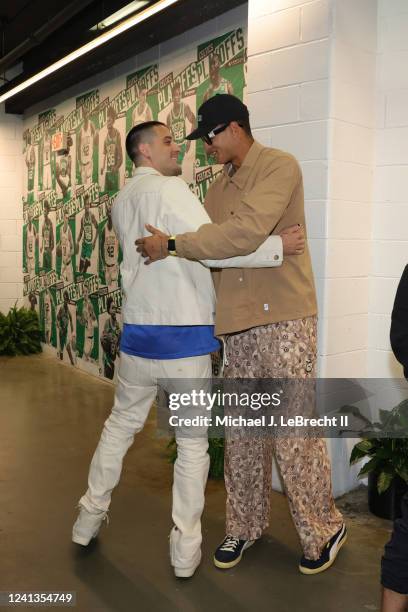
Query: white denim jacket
column 172, row 291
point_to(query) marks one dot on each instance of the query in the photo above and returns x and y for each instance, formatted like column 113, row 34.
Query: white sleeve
column 117, row 218
column 268, row 255
column 183, row 210
column 185, row 213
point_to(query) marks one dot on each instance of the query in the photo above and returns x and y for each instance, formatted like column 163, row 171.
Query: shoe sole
column 81, row 540
column 309, row 572
column 180, row 572
column 222, row 565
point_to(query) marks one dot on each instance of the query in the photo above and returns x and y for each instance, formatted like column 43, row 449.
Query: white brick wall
column 343, row 133
column 394, row 33
column 274, row 107
column 11, row 212
column 356, row 26
column 315, row 21
column 316, row 214
column 392, row 145
column 307, row 141
column 396, row 109
column 352, row 102
column 299, row 64
column 382, row 294
column 348, row 259
column 345, row 296
column 346, row 333
column 349, row 220
column 258, row 8
column 315, row 179
column 351, row 181
column 390, row 218
column 392, row 7
column 391, row 69
column 344, row 347
column 276, row 31
column 314, row 100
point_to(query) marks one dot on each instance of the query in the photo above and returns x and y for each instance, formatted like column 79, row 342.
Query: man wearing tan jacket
column 268, row 321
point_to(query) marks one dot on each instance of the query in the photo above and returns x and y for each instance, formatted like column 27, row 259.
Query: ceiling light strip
column 120, row 14
column 93, row 44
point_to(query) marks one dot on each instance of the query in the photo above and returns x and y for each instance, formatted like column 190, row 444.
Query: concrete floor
column 50, row 421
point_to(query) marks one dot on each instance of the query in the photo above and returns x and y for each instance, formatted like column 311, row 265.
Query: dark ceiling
column 36, row 33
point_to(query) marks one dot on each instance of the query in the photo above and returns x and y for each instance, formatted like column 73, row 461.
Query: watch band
column 171, row 246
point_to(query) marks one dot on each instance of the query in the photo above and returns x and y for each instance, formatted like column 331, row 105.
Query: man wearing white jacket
column 168, row 315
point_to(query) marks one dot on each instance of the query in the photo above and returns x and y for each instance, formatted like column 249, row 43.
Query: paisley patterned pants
column 284, row 350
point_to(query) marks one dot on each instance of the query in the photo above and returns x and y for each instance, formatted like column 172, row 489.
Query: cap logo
column 200, row 117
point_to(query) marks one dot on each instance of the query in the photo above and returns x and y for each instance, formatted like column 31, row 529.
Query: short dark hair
column 139, row 134
column 176, row 85
column 244, row 123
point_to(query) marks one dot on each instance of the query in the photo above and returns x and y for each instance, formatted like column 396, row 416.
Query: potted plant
column 385, row 444
column 19, row 332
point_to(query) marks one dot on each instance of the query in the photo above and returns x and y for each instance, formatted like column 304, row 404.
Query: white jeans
column 135, row 393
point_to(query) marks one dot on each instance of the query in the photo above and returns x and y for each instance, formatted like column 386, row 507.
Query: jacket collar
column 240, row 177
column 141, row 170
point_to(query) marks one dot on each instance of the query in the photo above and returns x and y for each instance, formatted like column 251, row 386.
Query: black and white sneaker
column 229, row 553
column 328, row 555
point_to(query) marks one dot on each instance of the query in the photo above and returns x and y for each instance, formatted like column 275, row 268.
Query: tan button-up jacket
column 264, row 196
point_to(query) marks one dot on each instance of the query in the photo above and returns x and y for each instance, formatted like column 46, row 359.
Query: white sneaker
column 187, row 572
column 87, row 526
column 187, row 569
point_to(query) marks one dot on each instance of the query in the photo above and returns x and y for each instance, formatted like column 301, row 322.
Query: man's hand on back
column 293, row 240
column 153, row 247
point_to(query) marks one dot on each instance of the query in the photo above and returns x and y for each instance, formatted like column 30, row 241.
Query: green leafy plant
column 19, row 332
column 216, row 452
column 385, row 443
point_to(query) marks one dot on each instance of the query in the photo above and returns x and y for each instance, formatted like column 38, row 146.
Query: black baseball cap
column 222, row 108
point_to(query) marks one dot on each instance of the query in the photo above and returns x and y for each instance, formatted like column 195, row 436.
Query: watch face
column 171, row 244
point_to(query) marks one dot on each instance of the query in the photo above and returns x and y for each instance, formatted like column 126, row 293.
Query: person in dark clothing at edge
column 394, row 565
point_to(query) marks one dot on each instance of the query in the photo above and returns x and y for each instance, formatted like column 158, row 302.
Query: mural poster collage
column 75, row 164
